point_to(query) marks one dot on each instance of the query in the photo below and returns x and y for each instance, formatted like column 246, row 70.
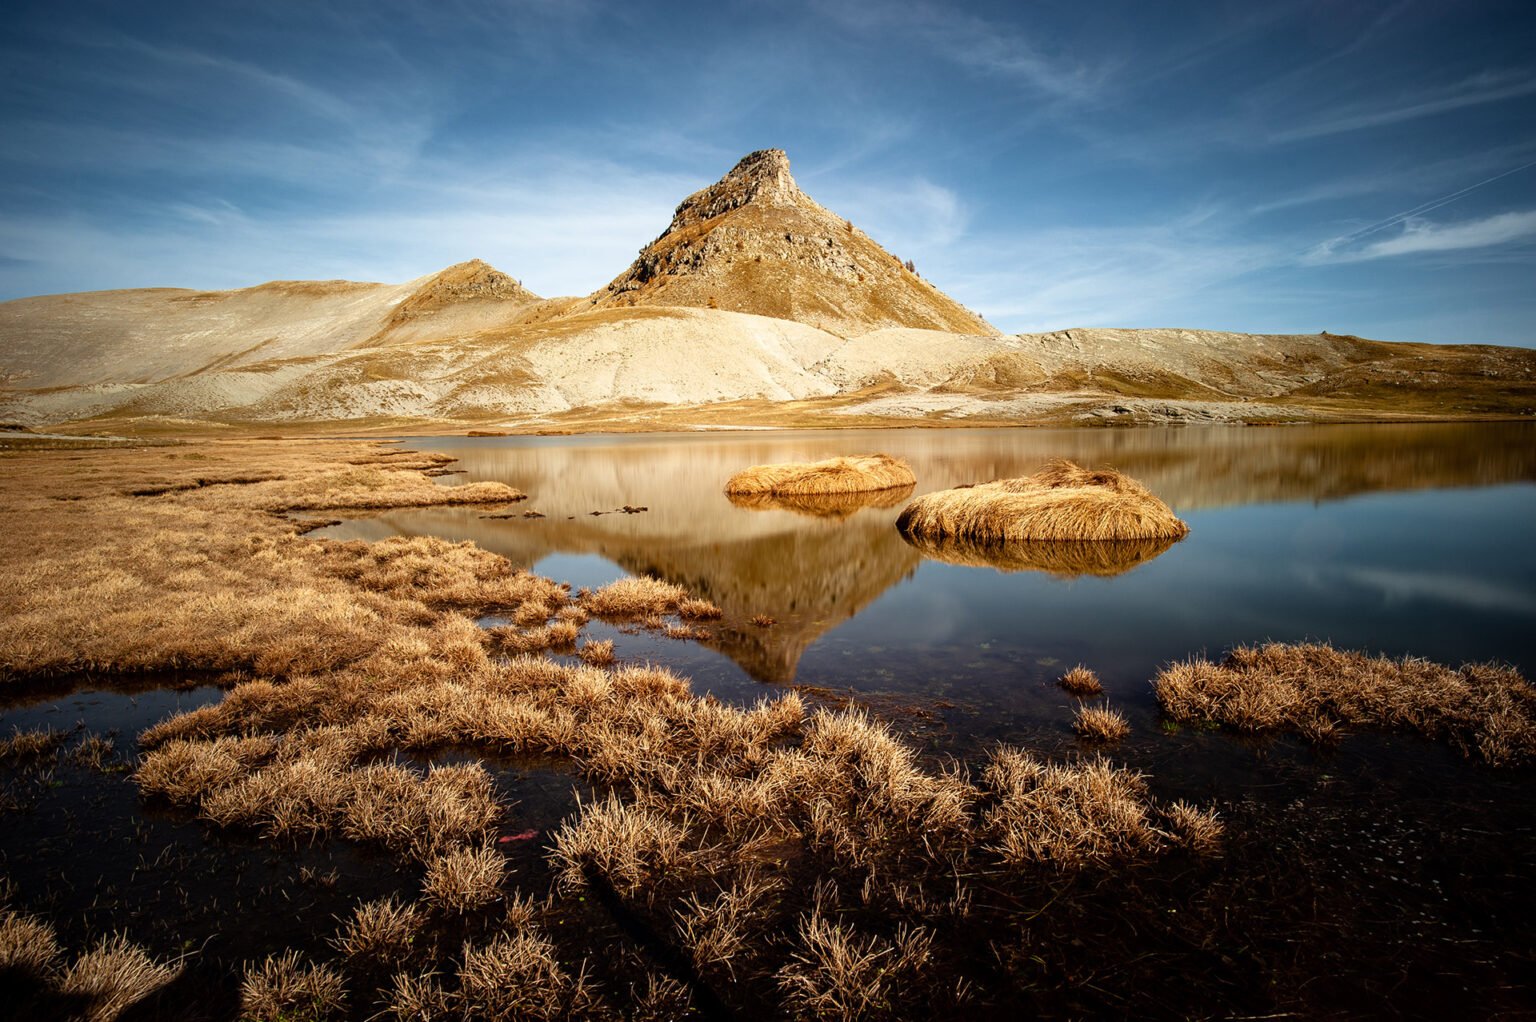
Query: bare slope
column 156, row 334
column 754, row 242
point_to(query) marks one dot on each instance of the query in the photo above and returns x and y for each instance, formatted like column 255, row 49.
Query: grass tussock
column 1316, row 690
column 1081, row 682
column 1068, row 815
column 465, row 879
column 838, row 973
column 1100, row 724
column 32, row 746
column 635, row 596
column 112, row 977
column 517, row 976
column 859, row 474
column 285, row 988
column 28, row 946
column 381, row 935
column 598, row 653
column 1063, row 502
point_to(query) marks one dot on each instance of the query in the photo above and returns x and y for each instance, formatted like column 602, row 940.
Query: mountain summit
column 754, row 242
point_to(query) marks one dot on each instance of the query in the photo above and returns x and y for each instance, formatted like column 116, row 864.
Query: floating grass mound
column 1103, row 558
column 1063, row 502
column 822, row 505
column 864, row 474
column 1317, row 690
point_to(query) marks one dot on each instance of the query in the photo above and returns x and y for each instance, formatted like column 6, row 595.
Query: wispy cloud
column 1420, row 236
column 1487, row 87
column 982, row 45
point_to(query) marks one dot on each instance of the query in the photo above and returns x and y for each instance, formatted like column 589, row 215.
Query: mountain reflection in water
column 813, row 565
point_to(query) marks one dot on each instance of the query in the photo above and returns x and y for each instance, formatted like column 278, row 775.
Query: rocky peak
column 761, row 177
column 466, row 281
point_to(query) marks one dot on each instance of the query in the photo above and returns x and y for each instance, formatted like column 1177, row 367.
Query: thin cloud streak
column 1475, row 91
column 1420, row 236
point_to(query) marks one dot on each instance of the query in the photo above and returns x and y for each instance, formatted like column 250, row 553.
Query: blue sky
column 1358, row 167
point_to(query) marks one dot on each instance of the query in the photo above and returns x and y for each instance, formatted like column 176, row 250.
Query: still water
column 1397, row 539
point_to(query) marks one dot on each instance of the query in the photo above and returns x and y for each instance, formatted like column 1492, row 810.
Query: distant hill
column 755, row 307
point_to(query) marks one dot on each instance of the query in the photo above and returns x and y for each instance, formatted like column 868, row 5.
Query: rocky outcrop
column 754, row 242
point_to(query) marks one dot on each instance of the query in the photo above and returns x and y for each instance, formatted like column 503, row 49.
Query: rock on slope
column 754, row 242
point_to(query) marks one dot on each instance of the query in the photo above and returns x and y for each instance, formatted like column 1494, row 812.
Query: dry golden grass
column 465, row 879
column 350, row 656
column 837, row 973
column 1102, row 558
column 381, row 934
column 1199, row 830
column 1081, row 682
column 517, row 976
column 719, row 930
column 598, row 653
column 28, row 946
column 31, row 746
column 1316, row 690
column 860, row 474
column 1100, row 724
column 284, row 988
column 417, row 997
column 112, row 977
column 1061, row 502
column 635, row 596
column 1066, row 815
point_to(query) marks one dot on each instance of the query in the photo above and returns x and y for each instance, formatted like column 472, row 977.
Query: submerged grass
column 1063, row 502
column 1317, row 690
column 858, row 474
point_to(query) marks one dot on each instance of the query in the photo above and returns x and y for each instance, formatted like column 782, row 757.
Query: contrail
column 1432, row 204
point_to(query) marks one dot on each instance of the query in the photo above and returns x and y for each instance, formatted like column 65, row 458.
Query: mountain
column 754, row 242
column 755, row 307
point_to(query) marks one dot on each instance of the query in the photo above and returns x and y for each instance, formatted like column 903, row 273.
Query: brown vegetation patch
column 1100, row 724
column 1061, row 502
column 859, row 474
column 1081, row 682
column 1316, row 690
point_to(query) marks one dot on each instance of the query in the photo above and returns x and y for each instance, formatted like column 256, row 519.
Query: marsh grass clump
column 1061, row 502
column 28, row 946
column 1199, row 830
column 1081, row 682
column 381, row 935
column 1100, row 724
column 717, row 931
column 635, row 596
column 112, row 977
column 517, row 976
column 836, row 972
column 694, row 609
column 1066, row 815
column 857, row 474
column 465, row 879
column 597, row 652
column 627, row 845
column 1314, row 689
column 833, row 506
column 284, row 987
column 24, row 747
column 418, row 997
